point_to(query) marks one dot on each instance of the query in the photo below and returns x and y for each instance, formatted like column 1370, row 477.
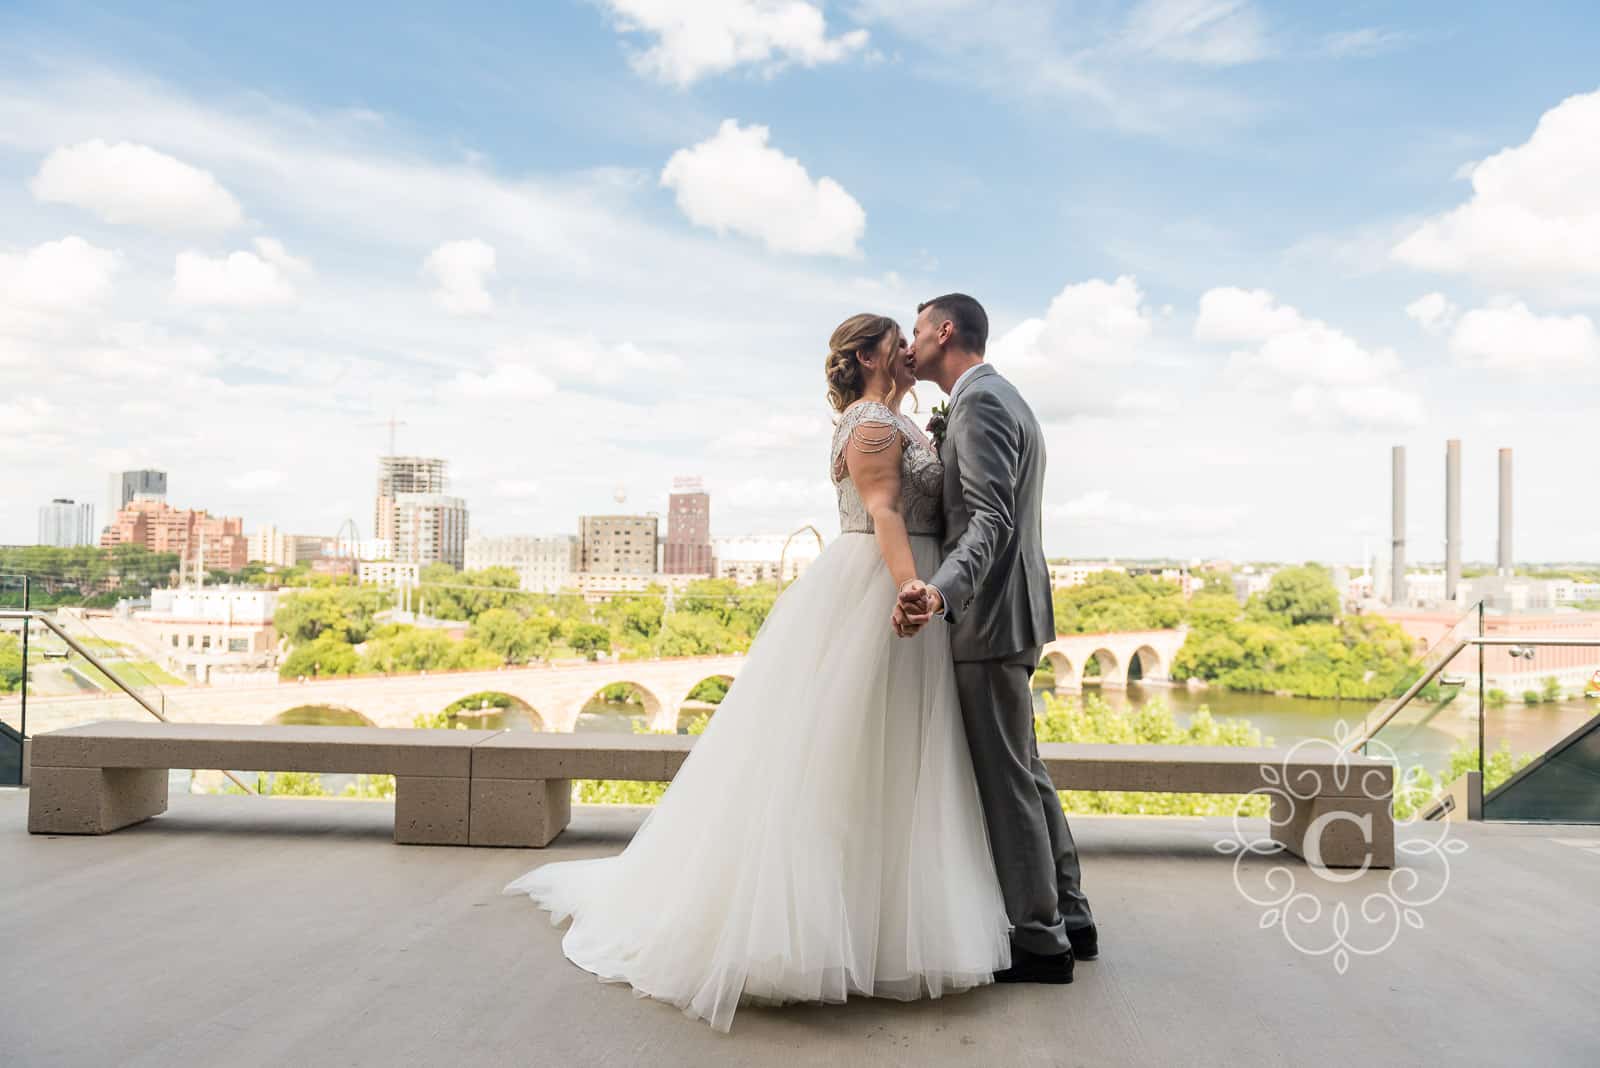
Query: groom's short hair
column 971, row 322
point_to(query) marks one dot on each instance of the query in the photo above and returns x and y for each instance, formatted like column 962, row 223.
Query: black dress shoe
column 1085, row 942
column 1029, row 967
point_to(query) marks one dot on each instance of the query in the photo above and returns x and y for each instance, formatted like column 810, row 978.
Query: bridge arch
column 494, row 710
column 1112, row 673
column 320, row 715
column 700, row 702
column 1145, row 665
column 1061, row 666
column 623, row 705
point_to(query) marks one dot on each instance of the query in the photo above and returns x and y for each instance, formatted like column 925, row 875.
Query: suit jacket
column 994, row 579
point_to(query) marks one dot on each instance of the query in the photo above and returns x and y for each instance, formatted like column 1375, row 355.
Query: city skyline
column 1231, row 258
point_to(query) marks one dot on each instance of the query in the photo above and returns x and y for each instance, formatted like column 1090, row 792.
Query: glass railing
column 1520, row 711
column 72, row 671
column 1542, row 729
column 1437, row 710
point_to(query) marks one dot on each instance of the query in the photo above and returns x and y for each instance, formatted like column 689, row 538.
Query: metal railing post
column 23, row 727
column 1483, row 709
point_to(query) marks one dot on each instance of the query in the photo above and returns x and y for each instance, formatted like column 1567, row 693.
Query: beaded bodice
column 921, row 473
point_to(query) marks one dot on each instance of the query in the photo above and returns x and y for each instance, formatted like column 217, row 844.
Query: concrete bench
column 514, row 788
column 1343, row 824
column 99, row 777
column 521, row 785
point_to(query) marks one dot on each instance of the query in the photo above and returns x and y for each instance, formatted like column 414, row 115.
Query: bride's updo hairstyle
column 854, row 336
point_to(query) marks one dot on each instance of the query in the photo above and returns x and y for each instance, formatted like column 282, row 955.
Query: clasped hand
column 918, row 602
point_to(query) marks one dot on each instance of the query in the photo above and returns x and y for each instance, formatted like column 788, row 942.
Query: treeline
column 341, row 630
column 87, row 576
column 1292, row 638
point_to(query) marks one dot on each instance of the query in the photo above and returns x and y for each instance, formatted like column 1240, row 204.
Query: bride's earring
column 916, row 405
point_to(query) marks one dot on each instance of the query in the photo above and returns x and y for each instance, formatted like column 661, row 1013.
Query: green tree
column 1112, row 601
column 1302, row 595
column 451, row 594
column 327, row 654
column 693, row 635
column 10, row 663
column 515, row 639
column 589, row 639
column 398, row 649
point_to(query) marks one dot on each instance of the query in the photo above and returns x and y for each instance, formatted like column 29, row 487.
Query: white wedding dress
column 824, row 837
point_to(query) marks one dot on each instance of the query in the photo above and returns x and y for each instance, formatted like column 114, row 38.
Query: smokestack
column 1397, row 544
column 1452, row 518
column 1505, row 566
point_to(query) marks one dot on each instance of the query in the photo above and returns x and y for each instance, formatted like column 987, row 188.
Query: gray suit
column 996, row 588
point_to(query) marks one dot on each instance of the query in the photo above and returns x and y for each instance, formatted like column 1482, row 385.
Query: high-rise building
column 402, row 474
column 544, row 565
column 430, row 528
column 618, row 544
column 145, row 484
column 688, row 546
column 66, row 524
column 199, row 539
column 269, row 545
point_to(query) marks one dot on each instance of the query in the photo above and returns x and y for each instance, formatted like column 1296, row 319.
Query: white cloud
column 505, row 381
column 134, row 184
column 462, row 269
column 768, row 495
column 64, row 274
column 1218, row 33
column 1434, row 312
column 255, row 481
column 778, row 431
column 516, row 487
column 1088, row 326
column 26, row 414
column 1506, row 335
column 1534, row 213
column 1331, row 376
column 1099, row 508
column 273, row 252
column 1093, row 322
column 1364, row 43
column 697, row 38
column 736, row 181
column 238, row 280
column 1251, row 315
column 1376, row 406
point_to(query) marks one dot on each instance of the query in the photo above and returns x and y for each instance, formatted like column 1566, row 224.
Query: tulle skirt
column 824, row 838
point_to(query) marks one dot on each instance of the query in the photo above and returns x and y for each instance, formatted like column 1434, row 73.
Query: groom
column 994, row 590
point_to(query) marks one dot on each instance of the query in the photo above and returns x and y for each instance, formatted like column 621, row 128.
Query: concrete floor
column 249, row 931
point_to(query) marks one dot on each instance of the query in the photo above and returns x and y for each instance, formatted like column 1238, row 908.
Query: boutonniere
column 938, row 423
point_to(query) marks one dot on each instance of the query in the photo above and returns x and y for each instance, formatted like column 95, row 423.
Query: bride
column 824, row 837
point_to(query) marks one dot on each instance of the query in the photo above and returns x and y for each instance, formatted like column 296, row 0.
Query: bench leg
column 519, row 812
column 1338, row 832
column 429, row 810
column 94, row 800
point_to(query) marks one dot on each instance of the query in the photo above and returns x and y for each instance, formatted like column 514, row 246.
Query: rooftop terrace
column 256, row 930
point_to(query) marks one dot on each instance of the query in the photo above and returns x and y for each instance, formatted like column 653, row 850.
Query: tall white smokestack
column 1397, row 543
column 1452, row 518
column 1504, row 562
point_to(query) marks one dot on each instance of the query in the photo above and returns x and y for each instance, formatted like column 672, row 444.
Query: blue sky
column 1232, row 251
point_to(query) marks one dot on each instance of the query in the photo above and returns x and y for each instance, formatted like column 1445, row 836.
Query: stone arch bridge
column 1123, row 657
column 556, row 693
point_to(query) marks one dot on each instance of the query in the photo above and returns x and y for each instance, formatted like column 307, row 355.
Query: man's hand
column 900, row 622
column 919, row 602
